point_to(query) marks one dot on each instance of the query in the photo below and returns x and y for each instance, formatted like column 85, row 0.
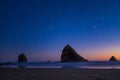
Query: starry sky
column 41, row 29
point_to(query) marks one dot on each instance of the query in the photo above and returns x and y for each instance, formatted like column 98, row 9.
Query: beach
column 58, row 74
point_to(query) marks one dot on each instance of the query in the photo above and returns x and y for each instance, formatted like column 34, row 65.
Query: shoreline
column 86, row 65
column 58, row 74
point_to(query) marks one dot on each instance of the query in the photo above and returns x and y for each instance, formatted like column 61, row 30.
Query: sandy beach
column 58, row 74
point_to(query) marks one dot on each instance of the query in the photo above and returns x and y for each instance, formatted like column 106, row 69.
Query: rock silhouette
column 113, row 59
column 22, row 58
column 70, row 55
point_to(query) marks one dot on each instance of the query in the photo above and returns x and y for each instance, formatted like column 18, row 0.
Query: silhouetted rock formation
column 70, row 55
column 22, row 58
column 113, row 59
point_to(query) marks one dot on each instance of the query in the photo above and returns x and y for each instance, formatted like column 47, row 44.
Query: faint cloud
column 100, row 18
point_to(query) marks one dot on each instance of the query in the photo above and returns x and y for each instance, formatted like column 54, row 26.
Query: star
column 94, row 26
column 51, row 28
column 116, row 6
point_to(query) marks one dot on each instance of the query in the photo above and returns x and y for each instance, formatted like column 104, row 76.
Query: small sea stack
column 113, row 59
column 70, row 55
column 22, row 58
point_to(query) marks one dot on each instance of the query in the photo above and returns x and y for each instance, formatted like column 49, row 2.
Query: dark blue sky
column 41, row 28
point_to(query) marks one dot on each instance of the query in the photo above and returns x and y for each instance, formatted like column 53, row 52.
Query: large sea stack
column 113, row 59
column 22, row 58
column 70, row 55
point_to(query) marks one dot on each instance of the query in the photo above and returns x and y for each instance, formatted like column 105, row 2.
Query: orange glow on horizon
column 104, row 55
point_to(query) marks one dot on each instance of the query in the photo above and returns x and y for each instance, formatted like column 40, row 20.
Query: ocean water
column 88, row 65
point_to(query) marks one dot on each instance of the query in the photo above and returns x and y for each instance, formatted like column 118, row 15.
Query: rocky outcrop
column 70, row 55
column 22, row 58
column 113, row 59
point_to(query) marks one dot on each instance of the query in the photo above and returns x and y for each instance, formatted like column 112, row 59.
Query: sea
column 83, row 65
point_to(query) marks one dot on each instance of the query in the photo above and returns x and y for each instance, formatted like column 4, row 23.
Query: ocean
column 84, row 65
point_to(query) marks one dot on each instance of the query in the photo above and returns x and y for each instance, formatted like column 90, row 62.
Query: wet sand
column 58, row 74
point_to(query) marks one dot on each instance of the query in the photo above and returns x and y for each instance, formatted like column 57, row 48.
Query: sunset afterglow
column 42, row 28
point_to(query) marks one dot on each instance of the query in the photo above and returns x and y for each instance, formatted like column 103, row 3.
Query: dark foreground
column 58, row 74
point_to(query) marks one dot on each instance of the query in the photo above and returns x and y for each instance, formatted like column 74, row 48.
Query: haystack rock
column 70, row 55
column 113, row 59
column 22, row 58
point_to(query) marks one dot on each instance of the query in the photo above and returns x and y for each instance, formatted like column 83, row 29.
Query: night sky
column 41, row 29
